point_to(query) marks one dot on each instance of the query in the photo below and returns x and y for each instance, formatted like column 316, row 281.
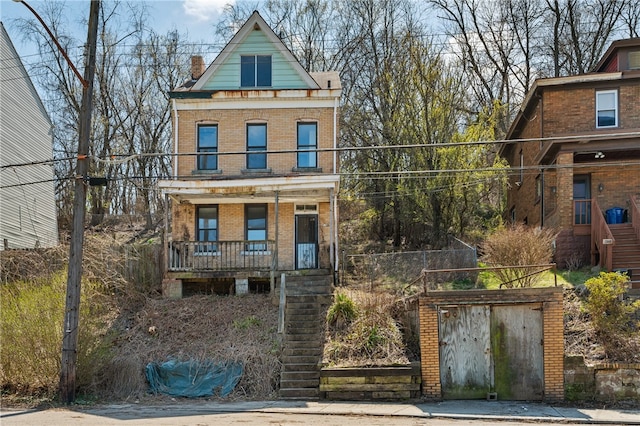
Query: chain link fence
column 401, row 270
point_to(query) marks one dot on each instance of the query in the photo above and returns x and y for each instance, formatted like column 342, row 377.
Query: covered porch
column 297, row 232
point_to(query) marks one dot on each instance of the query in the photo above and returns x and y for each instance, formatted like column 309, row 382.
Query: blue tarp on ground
column 193, row 378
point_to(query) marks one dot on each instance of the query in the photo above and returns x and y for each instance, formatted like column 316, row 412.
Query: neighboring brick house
column 255, row 169
column 575, row 155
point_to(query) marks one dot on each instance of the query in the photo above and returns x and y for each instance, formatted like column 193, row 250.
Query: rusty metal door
column 465, row 359
column 517, row 351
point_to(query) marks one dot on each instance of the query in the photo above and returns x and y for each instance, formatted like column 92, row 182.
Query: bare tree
column 130, row 136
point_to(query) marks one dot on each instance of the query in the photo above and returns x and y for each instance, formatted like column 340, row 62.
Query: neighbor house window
column 538, row 188
column 207, row 228
column 255, row 71
column 256, row 226
column 607, row 108
column 519, row 183
column 256, row 141
column 208, row 142
column 307, row 143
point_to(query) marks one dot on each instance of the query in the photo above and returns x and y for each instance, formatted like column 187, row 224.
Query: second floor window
column 207, row 142
column 307, row 142
column 606, row 108
column 255, row 71
column 256, row 141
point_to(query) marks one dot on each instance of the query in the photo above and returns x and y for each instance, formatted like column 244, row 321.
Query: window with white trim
column 606, row 108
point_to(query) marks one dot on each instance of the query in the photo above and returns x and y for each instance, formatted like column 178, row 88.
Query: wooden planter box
column 371, row 383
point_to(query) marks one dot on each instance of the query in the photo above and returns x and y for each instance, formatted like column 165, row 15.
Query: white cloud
column 204, row 10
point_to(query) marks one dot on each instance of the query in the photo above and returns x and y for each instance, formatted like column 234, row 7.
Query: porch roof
column 314, row 188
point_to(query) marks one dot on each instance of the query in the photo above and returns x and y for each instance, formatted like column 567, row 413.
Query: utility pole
column 74, row 277
column 72, row 309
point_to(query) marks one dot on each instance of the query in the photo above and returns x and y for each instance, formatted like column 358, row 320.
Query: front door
column 582, row 201
column 307, row 241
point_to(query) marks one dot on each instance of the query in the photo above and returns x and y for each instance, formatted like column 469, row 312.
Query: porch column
column 332, row 223
column 274, row 261
column 565, row 206
column 167, row 237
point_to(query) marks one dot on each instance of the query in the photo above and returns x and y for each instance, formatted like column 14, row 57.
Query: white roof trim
column 264, row 184
column 242, row 34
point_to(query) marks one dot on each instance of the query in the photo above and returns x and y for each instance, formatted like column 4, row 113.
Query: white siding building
column 27, row 201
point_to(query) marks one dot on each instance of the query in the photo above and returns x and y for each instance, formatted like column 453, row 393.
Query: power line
column 111, row 158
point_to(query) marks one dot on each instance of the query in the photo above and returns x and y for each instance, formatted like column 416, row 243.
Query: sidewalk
column 458, row 410
column 487, row 410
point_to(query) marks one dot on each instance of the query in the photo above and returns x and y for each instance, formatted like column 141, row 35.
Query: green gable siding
column 227, row 76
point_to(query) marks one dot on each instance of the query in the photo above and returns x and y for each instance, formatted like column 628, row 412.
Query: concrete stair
column 307, row 299
column 626, row 251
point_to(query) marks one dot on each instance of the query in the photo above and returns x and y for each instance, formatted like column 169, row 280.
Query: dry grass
column 130, row 328
column 229, row 328
column 372, row 338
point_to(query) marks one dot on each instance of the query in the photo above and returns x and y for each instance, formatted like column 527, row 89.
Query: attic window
column 255, row 71
column 634, row 60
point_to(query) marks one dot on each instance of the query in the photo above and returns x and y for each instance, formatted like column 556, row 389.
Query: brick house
column 575, row 159
column 255, row 179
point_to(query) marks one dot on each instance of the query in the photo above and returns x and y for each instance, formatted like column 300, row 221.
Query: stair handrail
column 601, row 234
column 635, row 216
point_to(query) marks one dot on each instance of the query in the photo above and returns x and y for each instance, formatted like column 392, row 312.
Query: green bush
column 605, row 304
column 342, row 311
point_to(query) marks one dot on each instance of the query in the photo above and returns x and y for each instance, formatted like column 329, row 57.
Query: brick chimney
column 197, row 67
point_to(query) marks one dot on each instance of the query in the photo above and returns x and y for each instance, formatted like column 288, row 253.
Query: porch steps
column 626, row 251
column 306, row 303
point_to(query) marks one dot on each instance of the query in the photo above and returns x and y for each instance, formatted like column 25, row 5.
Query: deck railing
column 582, row 212
column 634, row 211
column 187, row 256
column 602, row 240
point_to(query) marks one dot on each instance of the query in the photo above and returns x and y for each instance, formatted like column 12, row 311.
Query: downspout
column 335, row 135
column 542, row 198
column 175, row 139
column 332, row 251
column 334, row 199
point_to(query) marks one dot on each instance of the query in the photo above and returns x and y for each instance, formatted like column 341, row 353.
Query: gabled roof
column 14, row 70
column 612, row 51
column 255, row 22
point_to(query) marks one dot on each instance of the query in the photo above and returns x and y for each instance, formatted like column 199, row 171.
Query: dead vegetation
column 362, row 331
column 133, row 326
column 218, row 328
column 138, row 327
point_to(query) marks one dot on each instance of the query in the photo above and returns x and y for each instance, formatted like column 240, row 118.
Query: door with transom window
column 306, row 241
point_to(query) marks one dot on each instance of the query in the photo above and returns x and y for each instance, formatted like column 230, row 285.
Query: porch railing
column 634, row 211
column 602, row 240
column 582, row 212
column 187, row 256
